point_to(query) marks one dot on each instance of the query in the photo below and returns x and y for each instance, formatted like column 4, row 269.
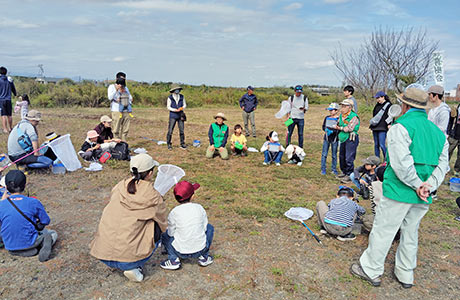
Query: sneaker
column 265, row 163
column 202, row 261
column 299, row 163
column 183, row 147
column 291, row 161
column 323, row 231
column 234, row 154
column 323, row 172
column 169, row 147
column 135, row 275
column 404, row 285
column 348, row 237
column 457, row 218
column 341, row 175
column 345, row 179
column 170, row 264
column 278, row 164
column 358, row 271
column 243, row 154
column 335, row 173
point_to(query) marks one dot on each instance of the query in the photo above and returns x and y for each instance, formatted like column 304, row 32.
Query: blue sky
column 229, row 43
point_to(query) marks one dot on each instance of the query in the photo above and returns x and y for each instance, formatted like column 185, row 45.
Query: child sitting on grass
column 330, row 138
column 239, row 141
column 91, row 150
column 295, row 154
column 337, row 218
column 364, row 175
column 272, row 149
column 189, row 234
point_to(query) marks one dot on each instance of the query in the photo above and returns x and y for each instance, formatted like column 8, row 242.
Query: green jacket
column 426, row 148
column 343, row 136
column 218, row 135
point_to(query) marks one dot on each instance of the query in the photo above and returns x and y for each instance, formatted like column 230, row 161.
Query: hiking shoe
column 135, row 275
column 265, row 163
column 202, row 261
column 348, row 237
column 183, row 147
column 341, row 175
column 404, row 285
column 358, row 271
column 278, row 164
column 170, row 264
column 291, row 161
column 169, row 147
column 299, row 163
column 323, row 172
column 345, row 179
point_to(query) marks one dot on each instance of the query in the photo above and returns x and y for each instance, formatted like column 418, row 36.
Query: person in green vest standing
column 348, row 127
column 218, row 135
column 417, row 161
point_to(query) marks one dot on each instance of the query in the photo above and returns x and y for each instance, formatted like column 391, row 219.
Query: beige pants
column 321, row 210
column 221, row 151
column 120, row 124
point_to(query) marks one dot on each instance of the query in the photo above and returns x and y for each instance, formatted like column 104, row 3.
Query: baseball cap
column 15, row 179
column 333, row 106
column 298, row 88
column 436, row 89
column 380, row 94
column 142, row 162
column 274, row 136
column 105, row 118
column 184, row 190
column 372, row 160
column 250, row 88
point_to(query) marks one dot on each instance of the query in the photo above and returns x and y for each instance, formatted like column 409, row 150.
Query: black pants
column 171, row 125
column 347, row 155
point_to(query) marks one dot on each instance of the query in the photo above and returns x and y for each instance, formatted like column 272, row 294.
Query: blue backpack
column 24, row 140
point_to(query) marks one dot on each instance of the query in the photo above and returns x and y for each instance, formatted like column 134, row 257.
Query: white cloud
column 293, row 6
column 229, row 29
column 119, row 59
column 335, row 1
column 451, row 64
column 388, row 8
column 83, row 21
column 204, row 24
column 318, row 64
column 134, row 13
column 16, row 23
column 180, row 6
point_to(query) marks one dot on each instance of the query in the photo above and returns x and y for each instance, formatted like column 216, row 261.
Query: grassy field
column 259, row 254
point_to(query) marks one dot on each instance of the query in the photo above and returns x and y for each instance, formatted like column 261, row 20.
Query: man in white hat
column 176, row 105
column 439, row 113
column 23, row 140
column 417, row 160
column 218, row 135
column 348, row 127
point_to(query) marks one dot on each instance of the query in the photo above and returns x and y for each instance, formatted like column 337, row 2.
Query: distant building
column 322, row 91
column 46, row 80
column 453, row 95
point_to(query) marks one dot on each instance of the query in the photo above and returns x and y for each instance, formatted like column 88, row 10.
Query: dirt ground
column 259, row 254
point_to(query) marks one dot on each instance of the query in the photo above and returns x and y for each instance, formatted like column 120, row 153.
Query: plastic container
column 105, row 156
column 196, row 143
column 167, row 177
column 288, row 122
column 4, row 161
column 58, row 168
column 454, row 184
column 239, row 146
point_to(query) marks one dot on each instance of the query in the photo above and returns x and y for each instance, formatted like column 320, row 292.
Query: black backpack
column 121, row 151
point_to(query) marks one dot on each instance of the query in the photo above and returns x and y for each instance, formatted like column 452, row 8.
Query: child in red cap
column 189, row 235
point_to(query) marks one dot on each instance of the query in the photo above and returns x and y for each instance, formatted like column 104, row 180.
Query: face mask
column 176, row 91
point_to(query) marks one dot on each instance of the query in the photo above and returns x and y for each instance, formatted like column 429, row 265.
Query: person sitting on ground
column 91, row 150
column 330, row 138
column 23, row 140
column 295, row 154
column 105, row 138
column 239, row 141
column 218, row 135
column 23, row 220
column 337, row 218
column 272, row 149
column 362, row 176
column 22, row 105
column 189, row 234
column 132, row 222
column 457, row 218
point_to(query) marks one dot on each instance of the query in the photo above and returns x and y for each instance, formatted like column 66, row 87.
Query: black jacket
column 453, row 129
column 382, row 125
column 105, row 133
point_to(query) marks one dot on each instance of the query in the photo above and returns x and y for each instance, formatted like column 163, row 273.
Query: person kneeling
column 295, row 154
column 23, row 221
column 91, row 150
column 338, row 216
column 189, row 234
column 131, row 224
column 239, row 141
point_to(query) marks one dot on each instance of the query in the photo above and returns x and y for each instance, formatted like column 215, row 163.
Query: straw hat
column 220, row 115
column 175, row 87
column 143, row 162
column 347, row 102
column 415, row 97
column 33, row 115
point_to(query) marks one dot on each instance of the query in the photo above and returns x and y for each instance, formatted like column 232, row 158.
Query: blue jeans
column 273, row 156
column 125, row 266
column 300, row 124
column 355, row 180
column 167, row 240
column 334, row 146
column 347, row 155
column 379, row 142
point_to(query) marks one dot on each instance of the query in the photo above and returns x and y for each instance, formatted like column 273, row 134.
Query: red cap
column 185, row 190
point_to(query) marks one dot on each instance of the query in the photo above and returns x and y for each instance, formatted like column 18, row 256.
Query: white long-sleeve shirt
column 176, row 98
column 402, row 162
column 440, row 115
column 187, row 223
column 297, row 104
column 111, row 92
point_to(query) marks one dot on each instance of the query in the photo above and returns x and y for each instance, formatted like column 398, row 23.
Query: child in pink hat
column 91, row 150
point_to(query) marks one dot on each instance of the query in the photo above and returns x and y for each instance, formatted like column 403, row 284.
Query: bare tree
column 389, row 59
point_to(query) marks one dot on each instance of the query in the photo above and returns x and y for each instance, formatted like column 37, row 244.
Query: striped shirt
column 342, row 212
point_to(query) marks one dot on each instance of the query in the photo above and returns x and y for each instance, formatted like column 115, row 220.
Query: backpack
column 121, row 151
column 24, row 140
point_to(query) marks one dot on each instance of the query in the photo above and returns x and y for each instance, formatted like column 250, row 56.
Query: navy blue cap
column 380, row 94
column 298, row 88
column 250, row 87
column 15, row 178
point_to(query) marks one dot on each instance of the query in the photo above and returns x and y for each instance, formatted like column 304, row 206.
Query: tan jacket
column 126, row 228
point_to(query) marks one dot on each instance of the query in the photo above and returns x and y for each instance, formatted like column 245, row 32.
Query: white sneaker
column 265, row 164
column 205, row 261
column 134, row 274
column 322, row 231
column 291, row 162
column 278, row 164
column 299, row 163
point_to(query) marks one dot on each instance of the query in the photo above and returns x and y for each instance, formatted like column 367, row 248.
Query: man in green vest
column 348, row 126
column 218, row 135
column 417, row 161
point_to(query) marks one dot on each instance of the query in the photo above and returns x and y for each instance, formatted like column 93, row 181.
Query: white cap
column 275, row 136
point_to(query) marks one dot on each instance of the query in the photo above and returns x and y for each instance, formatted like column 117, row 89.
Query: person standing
column 439, row 113
column 248, row 104
column 299, row 106
column 176, row 105
column 348, row 127
column 348, row 92
column 453, row 130
column 121, row 120
column 379, row 124
column 417, row 163
column 6, row 89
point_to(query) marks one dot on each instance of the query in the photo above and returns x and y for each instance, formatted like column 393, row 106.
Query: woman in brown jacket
column 132, row 222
